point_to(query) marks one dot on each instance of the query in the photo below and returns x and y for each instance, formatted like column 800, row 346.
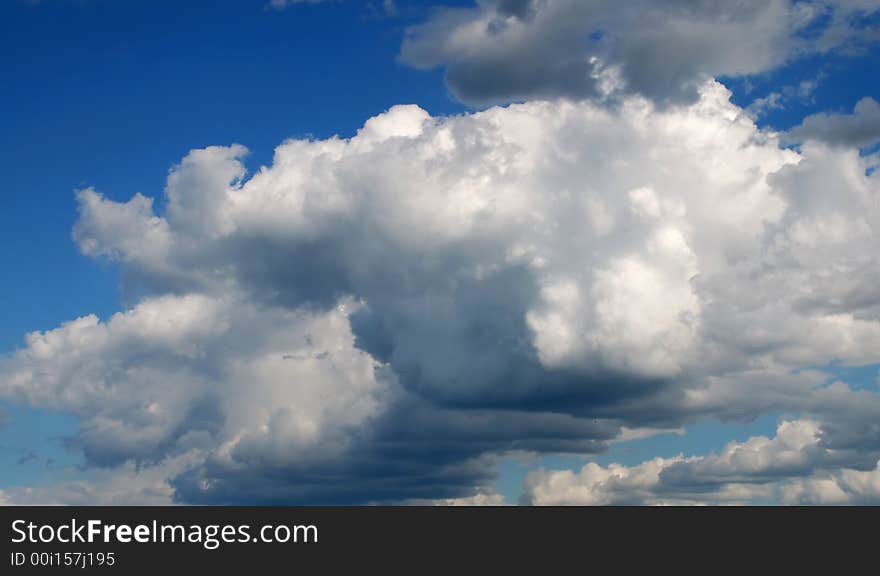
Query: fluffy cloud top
column 378, row 318
column 511, row 50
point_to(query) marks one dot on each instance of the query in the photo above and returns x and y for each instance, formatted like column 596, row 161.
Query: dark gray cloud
column 859, row 129
column 522, row 9
column 503, row 50
column 415, row 450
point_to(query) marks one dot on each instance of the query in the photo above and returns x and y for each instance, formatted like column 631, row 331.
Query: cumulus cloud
column 859, row 129
column 176, row 373
column 511, row 50
column 795, row 466
column 379, row 318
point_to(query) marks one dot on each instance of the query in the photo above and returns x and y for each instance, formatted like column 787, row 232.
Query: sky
column 493, row 252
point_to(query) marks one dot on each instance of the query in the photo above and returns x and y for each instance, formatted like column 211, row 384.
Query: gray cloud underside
column 859, row 129
column 514, row 50
column 380, row 318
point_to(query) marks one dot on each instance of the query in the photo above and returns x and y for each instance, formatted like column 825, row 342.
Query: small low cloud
column 859, row 129
column 796, row 467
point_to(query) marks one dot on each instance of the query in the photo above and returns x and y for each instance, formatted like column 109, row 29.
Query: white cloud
column 138, row 236
column 792, row 467
column 179, row 373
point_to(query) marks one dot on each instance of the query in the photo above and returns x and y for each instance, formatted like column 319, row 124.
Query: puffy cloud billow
column 379, row 318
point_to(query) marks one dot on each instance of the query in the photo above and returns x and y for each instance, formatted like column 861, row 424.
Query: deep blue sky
column 111, row 94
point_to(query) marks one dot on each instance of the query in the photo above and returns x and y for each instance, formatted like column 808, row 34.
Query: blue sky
column 164, row 78
column 112, row 95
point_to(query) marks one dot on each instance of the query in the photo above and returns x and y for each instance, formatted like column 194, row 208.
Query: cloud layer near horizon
column 794, row 467
column 379, row 318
